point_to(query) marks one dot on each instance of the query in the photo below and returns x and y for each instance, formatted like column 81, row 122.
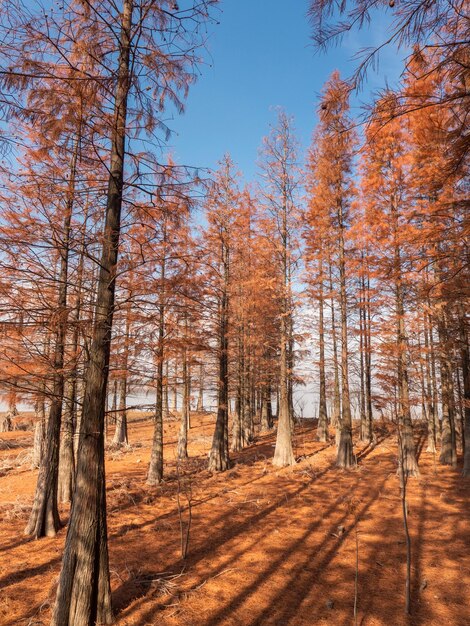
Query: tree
column 221, row 207
column 387, row 200
column 333, row 173
column 280, row 181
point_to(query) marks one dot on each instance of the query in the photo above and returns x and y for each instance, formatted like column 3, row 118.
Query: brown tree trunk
column 66, row 482
column 345, row 457
column 155, row 471
column 266, row 408
column 44, row 518
column 219, row 460
column 237, row 416
column 448, row 455
column 185, row 408
column 431, row 407
column 322, row 428
column 336, row 413
column 66, row 456
column 283, row 452
column 200, row 397
column 120, row 434
column 407, row 455
column 368, row 361
column 83, row 594
column 465, row 361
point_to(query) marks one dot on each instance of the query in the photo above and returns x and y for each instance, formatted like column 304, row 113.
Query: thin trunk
column 431, row 407
column 219, row 460
column 345, row 456
column 448, row 455
column 200, row 397
column 407, row 454
column 465, row 361
column 322, row 428
column 44, row 519
column 368, row 361
column 183, row 433
column 336, row 413
column 67, row 452
column 283, row 452
column 155, row 471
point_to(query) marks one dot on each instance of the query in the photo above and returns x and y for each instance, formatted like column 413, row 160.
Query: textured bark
column 44, row 518
column 37, row 444
column 336, row 412
column 155, row 471
column 345, row 456
column 174, row 404
column 120, row 434
column 83, row 594
column 322, row 429
column 283, row 452
column 66, row 456
column 237, row 416
column 408, row 465
column 448, row 455
column 219, row 460
column 368, row 362
column 182, row 451
column 430, row 406
column 200, row 396
column 266, row 408
column 465, row 361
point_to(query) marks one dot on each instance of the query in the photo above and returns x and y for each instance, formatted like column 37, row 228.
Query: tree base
column 345, row 457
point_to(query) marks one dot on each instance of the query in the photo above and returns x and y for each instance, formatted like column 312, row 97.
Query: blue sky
column 262, row 56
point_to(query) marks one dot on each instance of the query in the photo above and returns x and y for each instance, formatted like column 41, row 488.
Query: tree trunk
column 66, row 456
column 155, row 471
column 83, row 594
column 219, row 460
column 448, row 455
column 465, row 360
column 431, row 408
column 44, row 518
column 336, row 413
column 408, row 465
column 283, row 452
column 345, row 456
column 266, row 409
column 200, row 397
column 322, row 428
column 120, row 434
column 183, row 433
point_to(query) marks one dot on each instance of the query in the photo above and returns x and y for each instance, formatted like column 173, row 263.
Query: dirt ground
column 266, row 546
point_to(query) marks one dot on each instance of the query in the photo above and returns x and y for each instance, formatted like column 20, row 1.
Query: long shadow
column 371, row 446
column 285, row 596
column 230, row 532
column 16, row 577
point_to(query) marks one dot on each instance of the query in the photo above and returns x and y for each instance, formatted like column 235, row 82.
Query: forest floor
column 266, row 546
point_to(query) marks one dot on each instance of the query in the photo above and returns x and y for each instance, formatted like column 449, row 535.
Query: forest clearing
column 234, row 312
column 265, row 546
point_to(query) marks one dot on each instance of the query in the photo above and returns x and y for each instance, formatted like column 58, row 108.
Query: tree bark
column 283, row 452
column 219, row 460
column 83, row 594
column 185, row 408
column 408, row 465
column 448, row 455
column 44, row 519
column 465, row 361
column 345, row 456
column 322, row 428
column 155, row 471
